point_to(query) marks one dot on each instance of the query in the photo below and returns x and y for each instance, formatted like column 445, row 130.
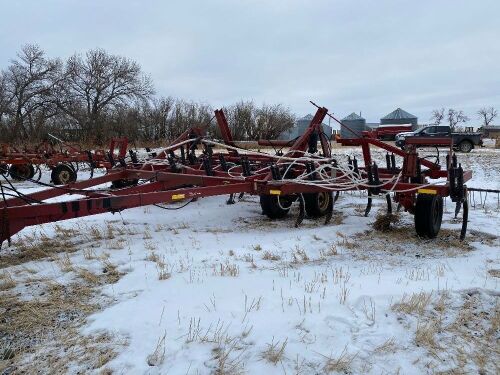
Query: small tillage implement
column 304, row 173
column 63, row 161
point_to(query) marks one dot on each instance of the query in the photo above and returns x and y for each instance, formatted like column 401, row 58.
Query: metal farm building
column 399, row 117
column 354, row 122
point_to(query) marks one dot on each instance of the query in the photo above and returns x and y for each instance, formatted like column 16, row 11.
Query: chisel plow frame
column 194, row 166
column 64, row 162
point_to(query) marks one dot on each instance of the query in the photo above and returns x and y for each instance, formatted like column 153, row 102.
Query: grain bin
column 400, row 117
column 356, row 123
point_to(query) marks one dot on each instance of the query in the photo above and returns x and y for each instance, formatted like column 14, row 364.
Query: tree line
column 98, row 95
column 94, row 96
column 455, row 117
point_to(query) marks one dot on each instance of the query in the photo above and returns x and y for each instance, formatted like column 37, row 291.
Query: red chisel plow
column 305, row 174
column 63, row 161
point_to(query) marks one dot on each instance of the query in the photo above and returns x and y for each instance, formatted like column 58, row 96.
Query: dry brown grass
column 460, row 334
column 95, row 233
column 299, row 255
column 385, row 222
column 227, row 356
column 158, row 356
column 163, row 272
column 346, row 242
column 337, row 218
column 118, row 244
column 329, row 252
column 226, row 269
column 89, row 254
column 402, row 239
column 31, row 321
column 36, row 246
column 40, row 334
column 494, row 273
column 6, row 281
column 64, row 262
column 414, row 304
column 66, row 352
column 338, row 364
column 110, row 271
column 388, row 346
column 153, row 257
column 89, row 277
column 111, row 230
column 267, row 255
column 425, row 334
column 274, row 352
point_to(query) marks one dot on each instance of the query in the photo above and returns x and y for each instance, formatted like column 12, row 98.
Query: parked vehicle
column 388, row 132
column 462, row 141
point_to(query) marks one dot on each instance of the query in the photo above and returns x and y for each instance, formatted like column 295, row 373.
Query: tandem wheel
column 21, row 172
column 275, row 206
column 63, row 174
column 428, row 215
column 317, row 204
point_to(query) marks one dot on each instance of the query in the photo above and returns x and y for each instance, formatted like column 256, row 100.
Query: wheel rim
column 323, row 200
column 465, row 147
column 64, row 176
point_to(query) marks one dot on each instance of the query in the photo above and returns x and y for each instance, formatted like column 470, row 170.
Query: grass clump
column 385, row 222
column 274, row 352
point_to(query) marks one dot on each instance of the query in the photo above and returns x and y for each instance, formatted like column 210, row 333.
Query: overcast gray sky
column 348, row 55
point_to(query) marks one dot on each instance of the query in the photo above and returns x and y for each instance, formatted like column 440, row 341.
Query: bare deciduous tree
column 249, row 122
column 487, row 115
column 154, row 117
column 241, row 119
column 437, row 116
column 456, row 117
column 99, row 82
column 272, row 120
column 29, row 81
column 96, row 96
column 188, row 114
column 4, row 102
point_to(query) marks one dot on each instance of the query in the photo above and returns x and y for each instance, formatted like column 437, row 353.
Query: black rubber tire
column 4, row 169
column 63, row 174
column 465, row 146
column 272, row 209
column 428, row 215
column 317, row 203
column 21, row 172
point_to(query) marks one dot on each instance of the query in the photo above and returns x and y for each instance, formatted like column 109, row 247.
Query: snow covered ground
column 216, row 288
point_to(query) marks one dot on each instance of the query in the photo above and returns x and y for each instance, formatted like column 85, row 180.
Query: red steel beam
column 224, row 129
column 294, row 188
column 64, row 189
column 395, row 150
column 14, row 219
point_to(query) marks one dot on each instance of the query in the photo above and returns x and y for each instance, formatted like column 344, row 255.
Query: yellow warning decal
column 427, row 191
column 176, row 197
column 275, row 192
